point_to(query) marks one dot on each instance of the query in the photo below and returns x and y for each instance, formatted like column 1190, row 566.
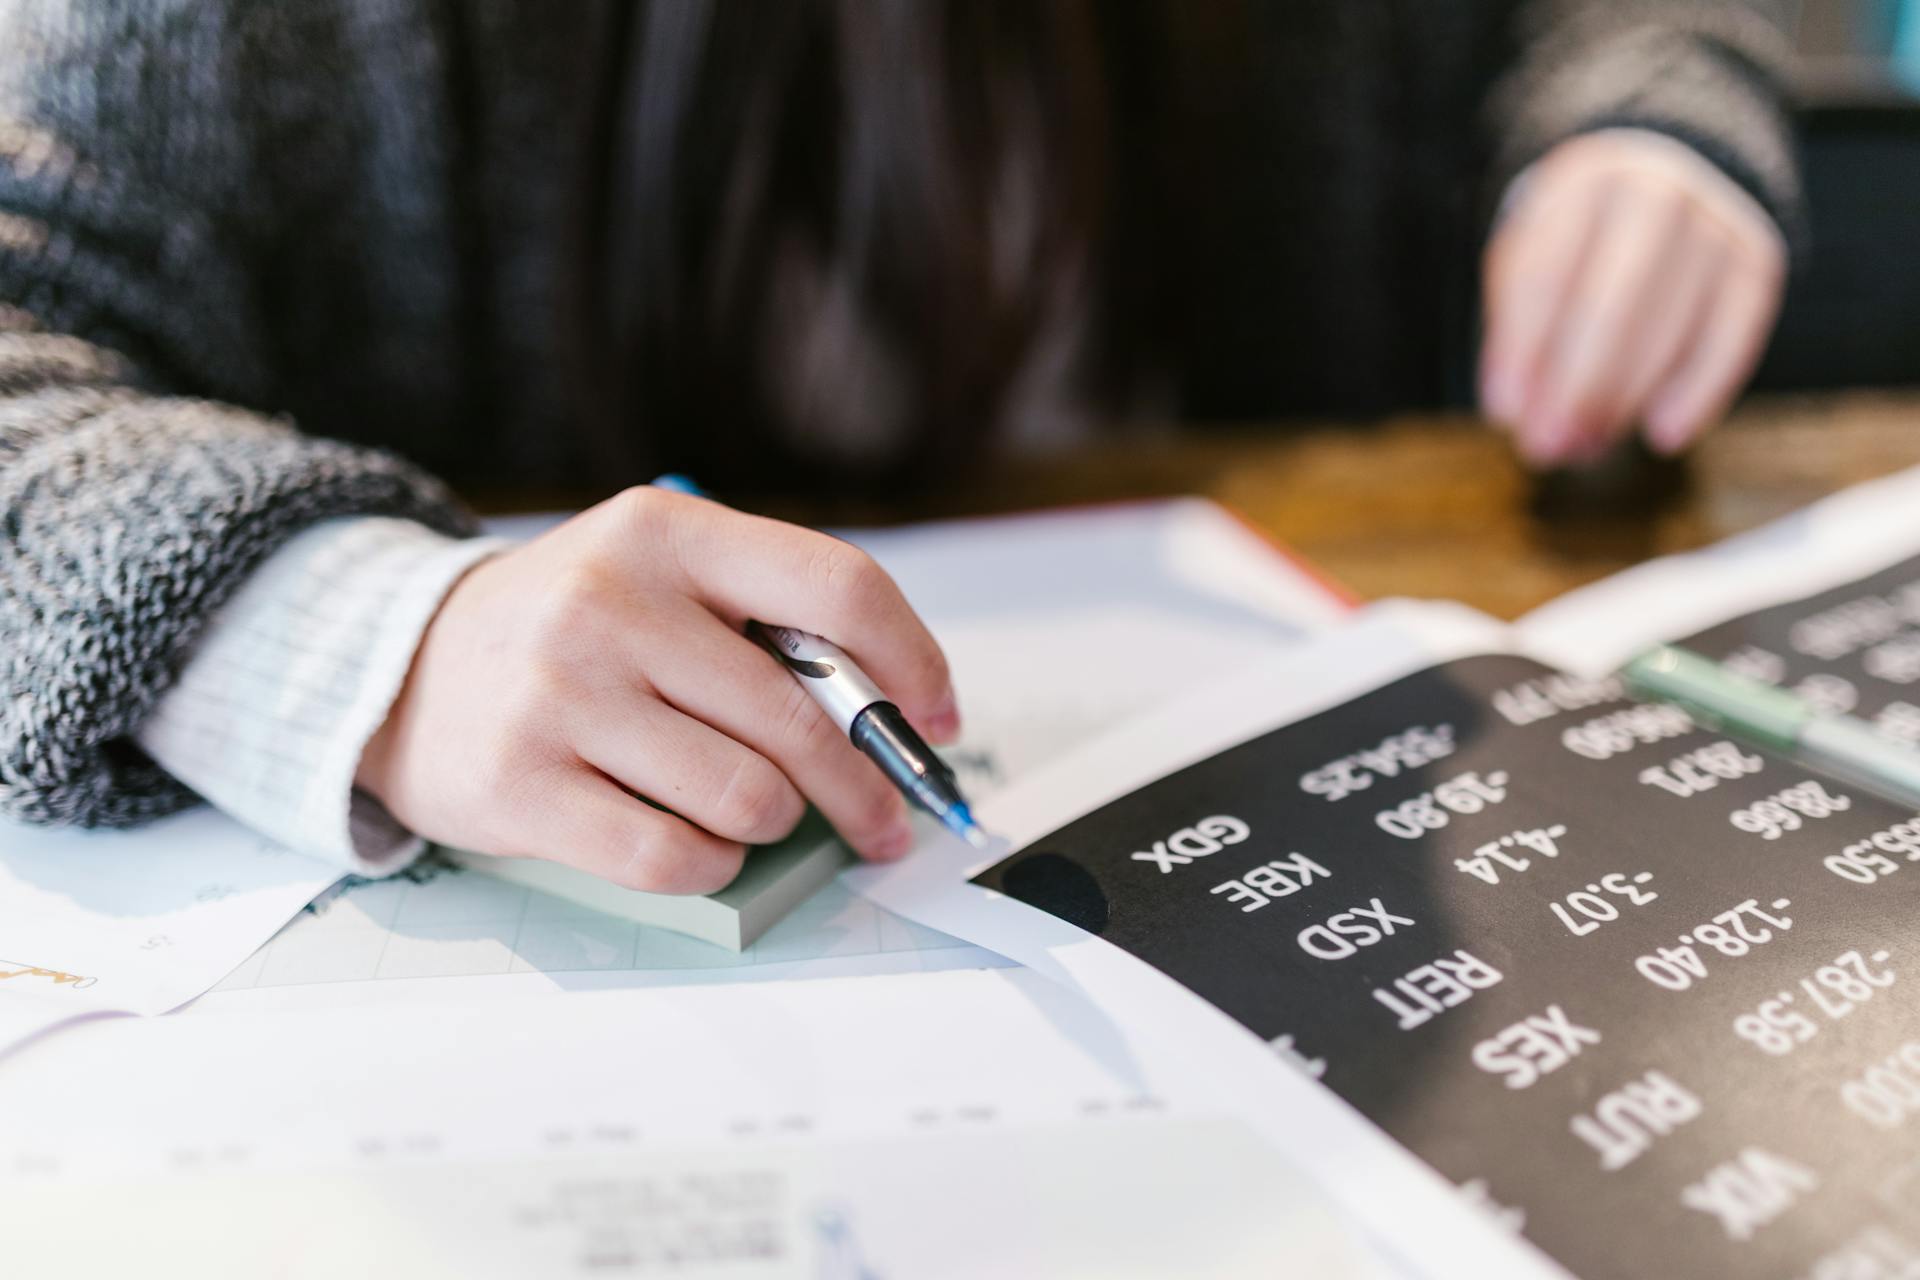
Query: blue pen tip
column 959, row 820
column 678, row 483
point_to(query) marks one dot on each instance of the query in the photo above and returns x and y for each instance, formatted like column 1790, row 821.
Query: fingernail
column 1666, row 435
column 944, row 723
column 1540, row 447
column 894, row 843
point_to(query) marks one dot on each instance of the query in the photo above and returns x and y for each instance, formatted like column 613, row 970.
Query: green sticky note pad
column 775, row 879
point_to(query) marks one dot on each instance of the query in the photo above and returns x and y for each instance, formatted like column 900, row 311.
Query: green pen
column 1762, row 715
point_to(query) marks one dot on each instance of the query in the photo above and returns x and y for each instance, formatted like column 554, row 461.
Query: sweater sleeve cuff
column 278, row 698
column 1731, row 200
column 1712, row 80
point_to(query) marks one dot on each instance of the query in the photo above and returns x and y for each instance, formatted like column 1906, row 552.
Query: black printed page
column 1635, row 991
column 1653, row 996
column 1196, row 919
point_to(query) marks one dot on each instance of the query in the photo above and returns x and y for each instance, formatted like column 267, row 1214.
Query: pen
column 1845, row 746
column 877, row 728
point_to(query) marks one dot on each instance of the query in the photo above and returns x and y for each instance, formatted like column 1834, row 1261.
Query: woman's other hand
column 1629, row 283
column 605, row 661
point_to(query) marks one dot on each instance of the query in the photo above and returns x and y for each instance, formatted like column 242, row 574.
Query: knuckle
column 501, row 795
column 648, row 860
column 1568, row 166
column 640, row 518
column 638, row 506
column 663, row 860
column 573, row 602
column 756, row 802
column 544, row 699
column 852, row 581
column 800, row 725
column 492, row 777
column 1665, row 203
column 504, row 766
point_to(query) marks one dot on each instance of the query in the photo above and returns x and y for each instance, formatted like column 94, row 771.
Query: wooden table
column 1437, row 506
column 1432, row 506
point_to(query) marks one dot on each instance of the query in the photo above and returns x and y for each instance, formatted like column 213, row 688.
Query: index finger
column 742, row 566
column 1530, row 267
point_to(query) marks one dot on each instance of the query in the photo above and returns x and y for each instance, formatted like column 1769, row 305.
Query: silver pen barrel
column 874, row 725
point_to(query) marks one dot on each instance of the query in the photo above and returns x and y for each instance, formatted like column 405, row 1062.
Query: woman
column 543, row 242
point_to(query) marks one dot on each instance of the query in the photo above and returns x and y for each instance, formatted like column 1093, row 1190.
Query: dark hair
column 831, row 237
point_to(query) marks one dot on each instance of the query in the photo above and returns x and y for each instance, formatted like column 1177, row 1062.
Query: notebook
column 1507, row 958
column 1030, row 610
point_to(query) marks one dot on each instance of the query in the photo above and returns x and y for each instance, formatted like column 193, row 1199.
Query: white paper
column 961, row 1124
column 1058, row 626
column 1396, row 1196
column 135, row 922
column 1595, row 630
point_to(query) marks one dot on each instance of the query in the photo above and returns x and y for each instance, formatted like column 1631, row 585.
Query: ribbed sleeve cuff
column 125, row 530
column 272, row 711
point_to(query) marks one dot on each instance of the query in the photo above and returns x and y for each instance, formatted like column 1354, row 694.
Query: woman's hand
column 1629, row 283
column 605, row 661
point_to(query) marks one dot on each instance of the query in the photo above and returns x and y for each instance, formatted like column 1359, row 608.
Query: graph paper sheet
column 439, row 928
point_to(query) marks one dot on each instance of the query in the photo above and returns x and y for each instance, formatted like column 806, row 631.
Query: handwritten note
column 135, row 922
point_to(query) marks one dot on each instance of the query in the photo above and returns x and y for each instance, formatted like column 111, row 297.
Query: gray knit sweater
column 243, row 243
